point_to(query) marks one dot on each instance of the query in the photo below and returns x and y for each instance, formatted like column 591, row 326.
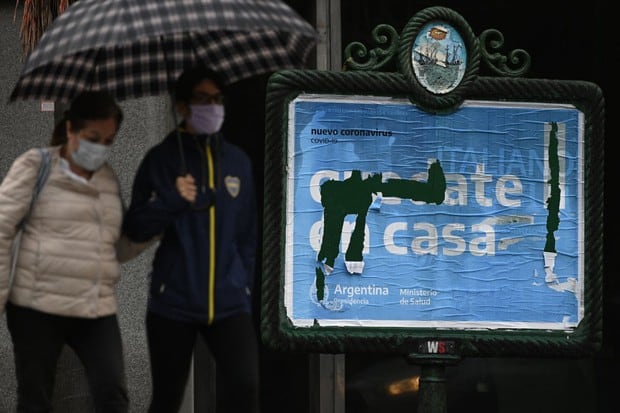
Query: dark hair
column 184, row 86
column 87, row 106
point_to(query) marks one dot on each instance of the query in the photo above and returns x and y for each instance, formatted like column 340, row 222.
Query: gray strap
column 44, row 171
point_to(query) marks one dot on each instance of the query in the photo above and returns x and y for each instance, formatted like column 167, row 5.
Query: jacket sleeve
column 15, row 196
column 155, row 201
column 127, row 250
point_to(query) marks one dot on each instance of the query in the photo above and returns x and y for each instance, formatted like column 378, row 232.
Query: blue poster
column 396, row 217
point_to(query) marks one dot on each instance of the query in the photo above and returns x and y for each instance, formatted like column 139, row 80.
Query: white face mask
column 206, row 119
column 90, row 156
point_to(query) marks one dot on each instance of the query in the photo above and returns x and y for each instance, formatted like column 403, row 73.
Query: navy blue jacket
column 204, row 266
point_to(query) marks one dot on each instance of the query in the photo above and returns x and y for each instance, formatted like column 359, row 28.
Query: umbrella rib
column 91, row 74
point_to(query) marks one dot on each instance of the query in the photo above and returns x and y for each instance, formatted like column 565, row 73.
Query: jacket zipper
column 209, row 157
column 207, row 175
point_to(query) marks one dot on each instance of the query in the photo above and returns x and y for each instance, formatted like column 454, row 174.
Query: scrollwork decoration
column 377, row 58
column 515, row 64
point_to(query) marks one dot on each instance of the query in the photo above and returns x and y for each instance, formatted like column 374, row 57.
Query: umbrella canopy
column 136, row 48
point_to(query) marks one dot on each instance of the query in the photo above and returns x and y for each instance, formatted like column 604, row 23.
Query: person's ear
column 183, row 109
column 72, row 138
column 69, row 132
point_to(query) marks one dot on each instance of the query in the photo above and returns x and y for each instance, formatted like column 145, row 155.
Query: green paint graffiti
column 354, row 196
column 553, row 202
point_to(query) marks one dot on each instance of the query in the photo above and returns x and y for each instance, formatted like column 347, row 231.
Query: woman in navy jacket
column 204, row 267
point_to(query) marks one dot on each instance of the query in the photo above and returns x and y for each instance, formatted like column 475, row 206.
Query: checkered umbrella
column 135, row 48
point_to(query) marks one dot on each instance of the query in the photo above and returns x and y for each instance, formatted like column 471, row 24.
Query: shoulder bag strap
column 44, row 170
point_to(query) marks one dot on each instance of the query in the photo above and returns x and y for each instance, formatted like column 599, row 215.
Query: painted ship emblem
column 438, row 58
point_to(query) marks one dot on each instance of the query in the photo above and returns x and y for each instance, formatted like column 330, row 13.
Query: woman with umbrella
column 204, row 267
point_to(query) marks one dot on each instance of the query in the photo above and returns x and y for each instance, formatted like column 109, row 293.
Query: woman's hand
column 187, row 187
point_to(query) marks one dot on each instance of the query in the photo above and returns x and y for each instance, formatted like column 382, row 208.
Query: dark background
column 566, row 41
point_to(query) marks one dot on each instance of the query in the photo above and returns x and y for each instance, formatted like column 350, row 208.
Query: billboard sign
column 399, row 218
column 433, row 208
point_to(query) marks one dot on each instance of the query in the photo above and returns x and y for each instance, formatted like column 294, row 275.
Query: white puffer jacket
column 68, row 262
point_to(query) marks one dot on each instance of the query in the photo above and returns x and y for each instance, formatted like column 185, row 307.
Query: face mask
column 90, row 156
column 206, row 119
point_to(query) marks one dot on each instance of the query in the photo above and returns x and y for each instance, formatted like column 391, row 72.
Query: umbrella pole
column 174, row 110
column 178, row 131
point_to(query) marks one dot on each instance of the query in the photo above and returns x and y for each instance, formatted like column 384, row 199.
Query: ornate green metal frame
column 366, row 78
